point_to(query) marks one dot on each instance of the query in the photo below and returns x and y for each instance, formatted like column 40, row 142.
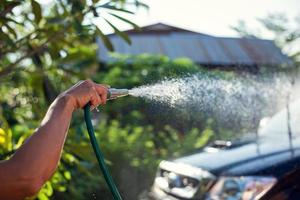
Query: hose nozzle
column 114, row 93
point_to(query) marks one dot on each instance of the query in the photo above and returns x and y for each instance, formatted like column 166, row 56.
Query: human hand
column 86, row 91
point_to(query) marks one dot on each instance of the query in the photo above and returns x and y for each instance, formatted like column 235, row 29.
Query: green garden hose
column 99, row 155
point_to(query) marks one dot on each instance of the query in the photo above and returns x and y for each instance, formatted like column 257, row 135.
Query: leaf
column 106, row 6
column 4, row 20
column 77, row 26
column 127, row 21
column 2, row 136
column 56, row 20
column 48, row 189
column 141, row 4
column 5, row 9
column 67, row 175
column 105, row 40
column 42, row 196
column 11, row 30
column 118, row 32
column 37, row 11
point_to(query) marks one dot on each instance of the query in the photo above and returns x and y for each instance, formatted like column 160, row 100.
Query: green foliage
column 31, row 32
column 45, row 50
column 130, row 71
column 133, row 140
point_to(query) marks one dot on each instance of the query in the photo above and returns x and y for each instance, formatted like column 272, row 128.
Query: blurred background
column 46, row 46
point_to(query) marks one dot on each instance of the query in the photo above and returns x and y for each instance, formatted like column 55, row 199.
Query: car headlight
column 242, row 188
column 181, row 180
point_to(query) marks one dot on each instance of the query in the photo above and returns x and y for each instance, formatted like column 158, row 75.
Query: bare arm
column 36, row 160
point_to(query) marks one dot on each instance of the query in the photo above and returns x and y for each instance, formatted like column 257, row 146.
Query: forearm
column 36, row 160
column 40, row 154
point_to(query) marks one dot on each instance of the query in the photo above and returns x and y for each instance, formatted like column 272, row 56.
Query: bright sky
column 210, row 16
column 207, row 16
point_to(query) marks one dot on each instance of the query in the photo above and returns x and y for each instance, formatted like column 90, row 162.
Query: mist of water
column 244, row 98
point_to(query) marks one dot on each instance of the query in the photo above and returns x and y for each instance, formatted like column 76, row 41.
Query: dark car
column 242, row 169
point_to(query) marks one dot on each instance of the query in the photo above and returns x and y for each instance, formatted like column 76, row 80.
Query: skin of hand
column 36, row 160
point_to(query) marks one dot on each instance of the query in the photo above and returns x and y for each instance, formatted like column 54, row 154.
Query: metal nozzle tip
column 114, row 93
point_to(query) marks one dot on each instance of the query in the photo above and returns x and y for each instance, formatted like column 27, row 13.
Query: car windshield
column 283, row 122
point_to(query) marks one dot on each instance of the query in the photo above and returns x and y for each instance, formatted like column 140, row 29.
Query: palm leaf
column 123, row 35
column 127, row 21
column 105, row 40
column 110, row 7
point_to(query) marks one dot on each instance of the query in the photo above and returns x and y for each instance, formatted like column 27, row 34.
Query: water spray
column 239, row 99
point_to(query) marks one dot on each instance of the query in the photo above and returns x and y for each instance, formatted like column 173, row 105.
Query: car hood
column 246, row 159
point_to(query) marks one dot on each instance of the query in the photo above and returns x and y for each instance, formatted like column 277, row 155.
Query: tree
column 45, row 50
column 42, row 51
column 285, row 34
column 35, row 39
column 133, row 140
